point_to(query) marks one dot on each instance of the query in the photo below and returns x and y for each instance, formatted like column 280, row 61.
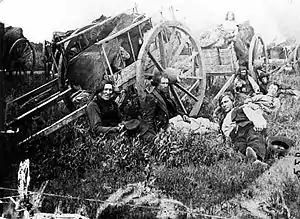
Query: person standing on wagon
column 230, row 26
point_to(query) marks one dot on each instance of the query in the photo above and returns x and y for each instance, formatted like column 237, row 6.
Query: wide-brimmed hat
column 136, row 126
column 132, row 125
column 280, row 144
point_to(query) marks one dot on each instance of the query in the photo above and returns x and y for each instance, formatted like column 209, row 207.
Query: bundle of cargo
column 213, row 38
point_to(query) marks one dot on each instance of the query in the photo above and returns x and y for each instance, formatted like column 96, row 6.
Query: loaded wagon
column 284, row 56
column 246, row 48
column 127, row 48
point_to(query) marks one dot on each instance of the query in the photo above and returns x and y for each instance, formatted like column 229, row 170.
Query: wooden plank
column 40, row 107
column 223, row 89
column 26, row 96
column 38, row 97
column 57, row 216
column 131, row 47
column 126, row 74
column 214, row 69
column 277, row 62
column 57, row 125
column 84, row 31
column 106, row 59
column 113, row 36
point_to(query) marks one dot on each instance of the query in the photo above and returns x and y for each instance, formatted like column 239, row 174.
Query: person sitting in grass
column 161, row 111
column 268, row 103
column 244, row 127
column 106, row 117
column 244, row 85
column 103, row 112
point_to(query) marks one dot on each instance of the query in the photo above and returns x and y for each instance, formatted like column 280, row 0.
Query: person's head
column 160, row 81
column 226, row 101
column 264, row 79
column 230, row 16
column 243, row 71
column 273, row 89
column 105, row 90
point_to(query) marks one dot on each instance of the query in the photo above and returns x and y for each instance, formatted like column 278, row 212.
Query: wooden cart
column 18, row 52
column 224, row 62
column 166, row 45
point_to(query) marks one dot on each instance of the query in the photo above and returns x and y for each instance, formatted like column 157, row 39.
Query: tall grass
column 200, row 171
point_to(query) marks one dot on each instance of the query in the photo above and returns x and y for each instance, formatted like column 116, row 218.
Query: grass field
column 204, row 174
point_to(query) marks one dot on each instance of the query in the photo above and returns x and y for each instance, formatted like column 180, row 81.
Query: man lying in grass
column 267, row 103
column 244, row 126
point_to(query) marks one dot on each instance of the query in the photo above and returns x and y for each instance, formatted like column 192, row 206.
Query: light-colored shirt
column 230, row 27
column 228, row 125
column 254, row 116
column 266, row 103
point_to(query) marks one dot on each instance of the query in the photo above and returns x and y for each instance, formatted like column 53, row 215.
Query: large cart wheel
column 22, row 54
column 170, row 47
column 296, row 59
column 258, row 57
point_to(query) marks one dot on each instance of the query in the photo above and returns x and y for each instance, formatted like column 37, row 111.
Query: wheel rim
column 258, row 58
column 23, row 53
column 171, row 46
column 296, row 59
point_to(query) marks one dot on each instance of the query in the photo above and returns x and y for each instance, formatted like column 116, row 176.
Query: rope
column 101, row 201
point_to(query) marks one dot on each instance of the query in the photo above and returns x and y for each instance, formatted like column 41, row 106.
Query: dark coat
column 158, row 109
column 103, row 115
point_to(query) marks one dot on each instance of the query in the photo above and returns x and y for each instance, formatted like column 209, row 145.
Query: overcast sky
column 39, row 18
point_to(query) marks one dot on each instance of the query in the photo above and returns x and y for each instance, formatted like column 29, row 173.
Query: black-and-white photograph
column 135, row 109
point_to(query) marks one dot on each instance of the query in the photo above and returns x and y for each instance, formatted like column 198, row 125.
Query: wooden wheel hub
column 173, row 75
column 170, row 48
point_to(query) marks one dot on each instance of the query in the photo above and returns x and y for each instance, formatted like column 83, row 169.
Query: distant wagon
column 246, row 49
column 18, row 53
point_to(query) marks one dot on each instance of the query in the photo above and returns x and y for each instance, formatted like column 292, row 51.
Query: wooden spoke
column 179, row 50
column 24, row 50
column 170, row 45
column 156, row 63
column 186, row 91
column 161, row 50
column 224, row 88
column 169, row 52
column 176, row 96
column 191, row 89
